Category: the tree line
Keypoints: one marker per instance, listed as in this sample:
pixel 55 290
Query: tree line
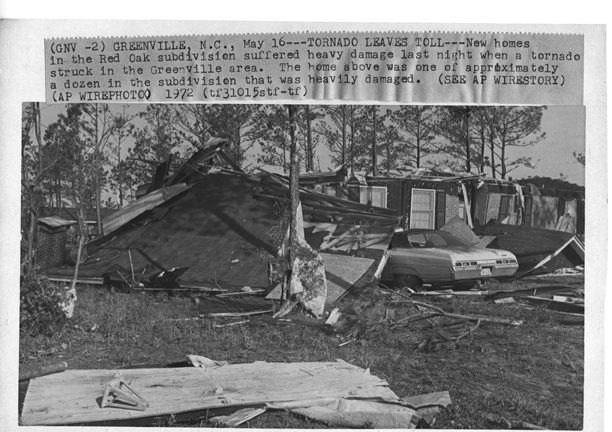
pixel 95 148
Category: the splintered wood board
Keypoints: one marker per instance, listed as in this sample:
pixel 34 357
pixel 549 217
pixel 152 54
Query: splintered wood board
pixel 74 396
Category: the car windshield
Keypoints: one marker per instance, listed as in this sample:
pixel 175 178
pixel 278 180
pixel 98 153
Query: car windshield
pixel 433 239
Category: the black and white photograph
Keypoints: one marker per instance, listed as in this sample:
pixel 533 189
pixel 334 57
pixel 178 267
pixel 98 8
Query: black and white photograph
pixel 337 266
pixel 302 224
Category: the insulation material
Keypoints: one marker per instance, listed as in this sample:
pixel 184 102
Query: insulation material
pixel 67 305
pixel 308 278
pixel 377 414
pixel 353 414
pixel 566 223
pixel 544 212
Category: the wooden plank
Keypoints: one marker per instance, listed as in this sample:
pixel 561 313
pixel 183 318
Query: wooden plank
pixel 29 373
pixel 230 161
pixel 207 151
pixel 343 210
pixel 73 397
pixel 305 194
pixel 81 280
pixel 339 238
pixel 351 215
pixel 135 208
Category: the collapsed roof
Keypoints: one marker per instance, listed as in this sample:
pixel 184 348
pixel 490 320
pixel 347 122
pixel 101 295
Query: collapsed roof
pixel 221 227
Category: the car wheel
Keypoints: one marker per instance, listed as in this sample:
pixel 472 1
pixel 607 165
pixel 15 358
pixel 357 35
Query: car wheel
pixel 413 282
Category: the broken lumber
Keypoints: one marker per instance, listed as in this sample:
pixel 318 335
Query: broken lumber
pixel 469 317
pixel 71 398
pixel 239 417
pixel 42 371
pixel 339 238
pixel 441 312
pixel 451 293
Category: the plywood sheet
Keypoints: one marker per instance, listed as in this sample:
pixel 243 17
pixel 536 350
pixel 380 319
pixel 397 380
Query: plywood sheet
pixel 73 397
pixel 342 272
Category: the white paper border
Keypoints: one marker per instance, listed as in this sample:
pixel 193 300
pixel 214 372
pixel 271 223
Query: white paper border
pixel 22 79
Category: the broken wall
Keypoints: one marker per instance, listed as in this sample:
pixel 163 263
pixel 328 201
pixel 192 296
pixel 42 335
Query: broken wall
pixel 544 212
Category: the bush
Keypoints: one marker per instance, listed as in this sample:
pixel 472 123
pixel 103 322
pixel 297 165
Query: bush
pixel 40 313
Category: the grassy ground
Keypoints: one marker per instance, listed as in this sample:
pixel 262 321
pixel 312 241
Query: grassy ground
pixel 532 373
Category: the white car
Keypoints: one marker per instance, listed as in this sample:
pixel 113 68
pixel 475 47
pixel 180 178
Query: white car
pixel 438 258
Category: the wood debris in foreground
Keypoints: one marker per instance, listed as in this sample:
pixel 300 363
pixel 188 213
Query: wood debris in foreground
pixel 30 373
pixel 74 397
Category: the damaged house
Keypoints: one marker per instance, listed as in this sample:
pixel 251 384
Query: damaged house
pixel 532 223
pixel 430 201
pixel 214 229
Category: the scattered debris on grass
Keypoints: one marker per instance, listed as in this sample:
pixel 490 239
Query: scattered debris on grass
pixel 506 424
pixel 424 326
pixel 215 306
pixel 555 297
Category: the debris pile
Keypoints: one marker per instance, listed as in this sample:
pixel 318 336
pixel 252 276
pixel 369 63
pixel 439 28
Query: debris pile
pixel 537 250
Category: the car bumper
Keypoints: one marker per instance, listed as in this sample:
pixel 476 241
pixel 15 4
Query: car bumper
pixel 483 272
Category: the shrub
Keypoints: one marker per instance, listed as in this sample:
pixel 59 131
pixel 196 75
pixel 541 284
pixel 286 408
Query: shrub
pixel 39 308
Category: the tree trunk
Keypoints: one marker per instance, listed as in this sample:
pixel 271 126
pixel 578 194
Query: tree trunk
pixel 309 156
pixel 120 177
pixel 492 144
pixel 294 193
pixel 31 231
pixel 294 173
pixel 96 176
pixel 82 241
pixel 352 141
pixel 34 201
pixel 374 161
pixel 502 158
pixel 343 134
pixel 468 164
pixel 418 145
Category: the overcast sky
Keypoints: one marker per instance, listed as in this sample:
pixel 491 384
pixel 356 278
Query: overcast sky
pixel 552 157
